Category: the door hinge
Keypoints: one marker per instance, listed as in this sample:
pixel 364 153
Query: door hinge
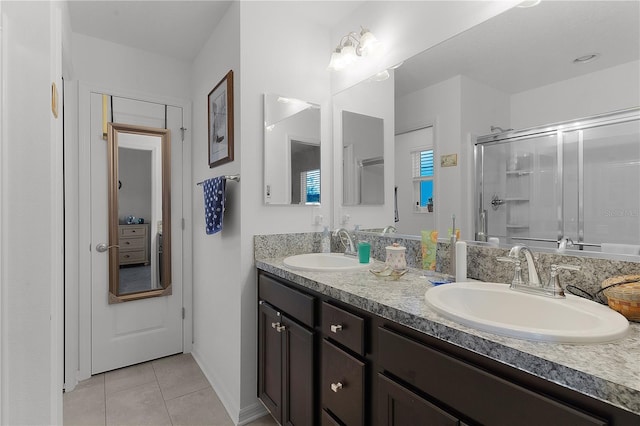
pixel 183 223
pixel 183 313
pixel 182 130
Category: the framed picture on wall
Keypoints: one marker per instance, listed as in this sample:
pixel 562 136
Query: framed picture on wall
pixel 220 107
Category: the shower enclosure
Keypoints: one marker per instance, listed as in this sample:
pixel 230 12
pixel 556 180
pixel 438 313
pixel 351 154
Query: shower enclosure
pixel 576 180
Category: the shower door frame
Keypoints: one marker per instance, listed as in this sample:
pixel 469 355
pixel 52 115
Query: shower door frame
pixel 559 129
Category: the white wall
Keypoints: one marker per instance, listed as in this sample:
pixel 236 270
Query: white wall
pixel 216 258
pixel 106 64
pixel 31 214
pixel 608 90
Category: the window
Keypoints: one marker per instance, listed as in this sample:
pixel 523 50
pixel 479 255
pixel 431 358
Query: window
pixel 310 186
pixel 423 177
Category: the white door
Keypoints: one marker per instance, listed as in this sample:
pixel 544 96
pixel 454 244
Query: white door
pixel 135 331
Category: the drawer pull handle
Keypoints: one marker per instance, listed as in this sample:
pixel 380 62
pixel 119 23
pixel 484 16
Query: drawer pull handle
pixel 279 328
pixel 335 328
pixel 336 386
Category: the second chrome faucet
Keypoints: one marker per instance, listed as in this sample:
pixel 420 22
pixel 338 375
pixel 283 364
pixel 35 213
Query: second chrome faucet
pixel 534 285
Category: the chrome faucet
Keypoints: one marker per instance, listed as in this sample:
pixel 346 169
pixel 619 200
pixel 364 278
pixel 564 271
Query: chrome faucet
pixel 388 229
pixel 343 234
pixel 534 279
pixel 553 287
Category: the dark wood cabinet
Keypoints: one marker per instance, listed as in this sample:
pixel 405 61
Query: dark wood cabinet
pixel 286 357
pixel 322 361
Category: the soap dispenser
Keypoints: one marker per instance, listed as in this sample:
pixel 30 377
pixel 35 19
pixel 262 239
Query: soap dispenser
pixel 326 240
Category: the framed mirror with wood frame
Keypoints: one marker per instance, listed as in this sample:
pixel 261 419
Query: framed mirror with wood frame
pixel 139 210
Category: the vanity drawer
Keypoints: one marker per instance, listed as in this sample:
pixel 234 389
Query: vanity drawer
pixel 132 256
pixel 343 385
pixel 343 327
pixel 485 398
pixel 298 305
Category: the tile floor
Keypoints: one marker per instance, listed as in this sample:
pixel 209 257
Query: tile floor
pixel 167 391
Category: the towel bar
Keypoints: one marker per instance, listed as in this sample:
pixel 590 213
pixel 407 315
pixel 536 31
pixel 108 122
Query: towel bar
pixel 235 178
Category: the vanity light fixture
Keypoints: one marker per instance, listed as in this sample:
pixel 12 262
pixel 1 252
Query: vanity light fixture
pixel 351 47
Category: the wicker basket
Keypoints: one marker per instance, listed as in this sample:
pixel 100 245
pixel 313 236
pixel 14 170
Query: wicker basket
pixel 624 298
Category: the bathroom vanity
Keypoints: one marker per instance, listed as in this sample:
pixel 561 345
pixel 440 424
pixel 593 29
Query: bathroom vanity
pixel 349 348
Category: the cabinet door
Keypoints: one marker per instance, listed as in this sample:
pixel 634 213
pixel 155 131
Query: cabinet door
pixel 270 359
pixel 401 407
pixel 298 365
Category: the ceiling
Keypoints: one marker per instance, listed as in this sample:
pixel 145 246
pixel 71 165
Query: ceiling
pixel 177 29
pixel 525 48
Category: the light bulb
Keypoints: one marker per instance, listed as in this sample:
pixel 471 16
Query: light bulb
pixel 336 63
pixel 368 43
pixel 349 54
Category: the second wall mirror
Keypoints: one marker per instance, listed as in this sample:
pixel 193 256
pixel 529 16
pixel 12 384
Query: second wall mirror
pixel 139 212
pixel 291 151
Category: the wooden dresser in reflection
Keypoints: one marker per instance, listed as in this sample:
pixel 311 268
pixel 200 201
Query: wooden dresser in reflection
pixel 134 244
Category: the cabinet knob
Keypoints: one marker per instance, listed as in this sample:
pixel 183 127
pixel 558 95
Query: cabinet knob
pixel 336 327
pixel 336 386
pixel 279 328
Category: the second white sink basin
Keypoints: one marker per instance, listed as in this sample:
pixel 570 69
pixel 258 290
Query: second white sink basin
pixel 325 262
pixel 495 308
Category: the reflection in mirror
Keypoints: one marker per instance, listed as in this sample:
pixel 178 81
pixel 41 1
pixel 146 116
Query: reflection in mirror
pixel 291 151
pixel 139 203
pixel 516 70
pixel 564 184
pixel 363 159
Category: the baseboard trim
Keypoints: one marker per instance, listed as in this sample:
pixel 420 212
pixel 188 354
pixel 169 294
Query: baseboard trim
pixel 225 397
pixel 251 413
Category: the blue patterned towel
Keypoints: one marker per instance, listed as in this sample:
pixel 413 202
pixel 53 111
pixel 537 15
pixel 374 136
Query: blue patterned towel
pixel 214 203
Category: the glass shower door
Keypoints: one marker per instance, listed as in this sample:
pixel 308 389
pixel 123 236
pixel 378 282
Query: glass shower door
pixel 602 187
pixel 520 189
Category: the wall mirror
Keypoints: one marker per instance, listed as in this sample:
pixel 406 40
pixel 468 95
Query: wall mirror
pixel 291 151
pixel 139 212
pixel 515 70
pixel 362 159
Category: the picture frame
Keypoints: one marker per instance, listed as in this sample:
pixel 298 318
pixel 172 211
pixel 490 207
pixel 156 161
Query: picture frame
pixel 220 121
pixel 449 160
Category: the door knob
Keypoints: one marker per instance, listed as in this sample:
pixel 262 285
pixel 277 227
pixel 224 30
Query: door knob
pixel 102 247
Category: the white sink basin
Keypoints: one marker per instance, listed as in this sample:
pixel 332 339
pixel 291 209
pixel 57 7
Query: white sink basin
pixel 325 262
pixel 497 309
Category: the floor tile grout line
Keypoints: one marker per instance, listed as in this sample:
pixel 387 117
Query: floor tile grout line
pixel 161 393
pixel 104 392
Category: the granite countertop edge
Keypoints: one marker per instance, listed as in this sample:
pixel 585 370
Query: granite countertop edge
pixel 498 348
